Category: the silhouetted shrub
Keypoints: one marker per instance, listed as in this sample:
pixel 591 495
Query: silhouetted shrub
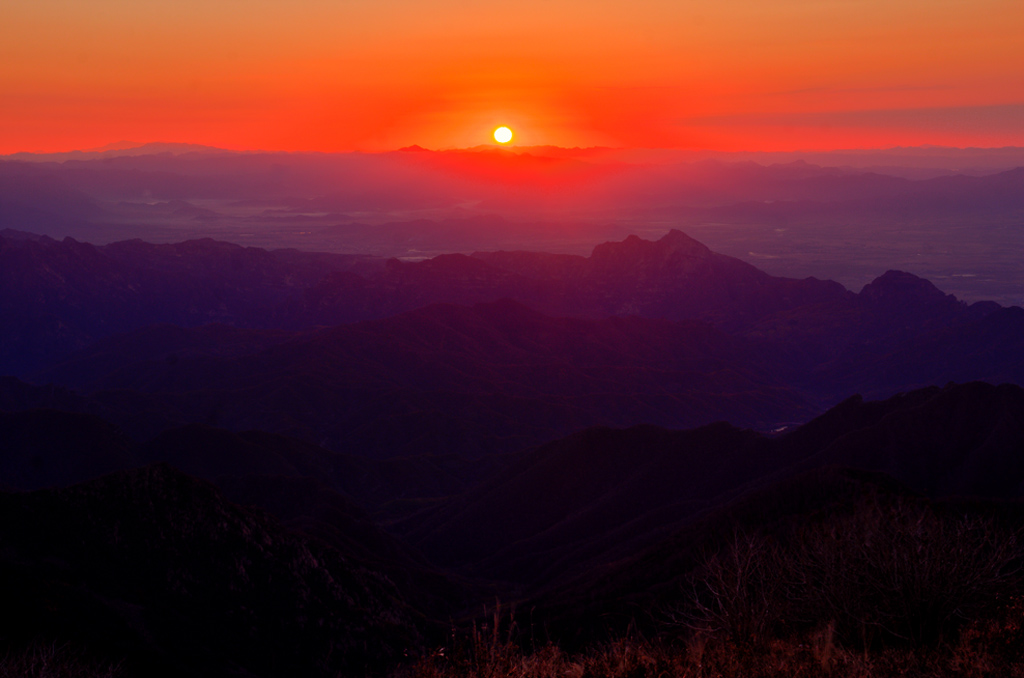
pixel 900 571
pixel 737 590
pixel 893 571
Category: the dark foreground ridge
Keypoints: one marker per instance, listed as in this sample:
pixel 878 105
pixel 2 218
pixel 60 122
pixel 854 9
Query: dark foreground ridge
pixel 156 567
pixel 601 532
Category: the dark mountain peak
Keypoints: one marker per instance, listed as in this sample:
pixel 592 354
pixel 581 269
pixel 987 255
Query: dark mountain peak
pixel 851 414
pixel 634 249
pixel 1015 312
pixel 962 439
pixel 187 254
pixel 451 264
pixel 980 309
pixel 677 241
pixel 454 262
pixel 1014 176
pixel 999 331
pixel 902 286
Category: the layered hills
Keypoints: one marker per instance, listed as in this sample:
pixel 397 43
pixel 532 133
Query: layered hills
pixel 217 459
pixel 664 332
pixel 493 377
pixel 60 296
pixel 595 496
pixel 949 215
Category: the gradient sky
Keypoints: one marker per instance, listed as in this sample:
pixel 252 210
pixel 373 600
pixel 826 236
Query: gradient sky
pixel 334 75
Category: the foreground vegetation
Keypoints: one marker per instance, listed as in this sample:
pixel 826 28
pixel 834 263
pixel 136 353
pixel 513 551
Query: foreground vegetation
pixel 991 649
pixel 50 660
pixel 876 582
pixel 891 586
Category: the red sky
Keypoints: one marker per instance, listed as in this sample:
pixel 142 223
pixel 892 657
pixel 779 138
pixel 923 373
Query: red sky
pixel 334 75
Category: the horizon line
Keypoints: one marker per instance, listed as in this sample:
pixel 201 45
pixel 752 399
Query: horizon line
pixel 161 147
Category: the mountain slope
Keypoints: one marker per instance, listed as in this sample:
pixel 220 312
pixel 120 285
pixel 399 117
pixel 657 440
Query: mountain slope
pixel 56 297
pixel 157 568
pixel 580 503
pixel 449 379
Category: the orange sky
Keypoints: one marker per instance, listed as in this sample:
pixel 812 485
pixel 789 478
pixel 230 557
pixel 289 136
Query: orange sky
pixel 336 75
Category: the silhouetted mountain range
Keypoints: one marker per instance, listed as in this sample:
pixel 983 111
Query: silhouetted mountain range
pixel 444 379
pixel 942 213
pixel 497 178
pixel 385 444
pixel 664 332
pixel 59 296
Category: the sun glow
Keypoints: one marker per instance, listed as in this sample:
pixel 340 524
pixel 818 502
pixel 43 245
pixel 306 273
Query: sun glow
pixel 503 135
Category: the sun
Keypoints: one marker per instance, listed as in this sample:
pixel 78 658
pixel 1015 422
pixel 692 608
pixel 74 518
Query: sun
pixel 503 135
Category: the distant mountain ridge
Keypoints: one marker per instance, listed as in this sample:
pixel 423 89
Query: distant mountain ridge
pixel 664 332
pixel 117 150
pixel 59 296
pixel 937 157
pixel 415 205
